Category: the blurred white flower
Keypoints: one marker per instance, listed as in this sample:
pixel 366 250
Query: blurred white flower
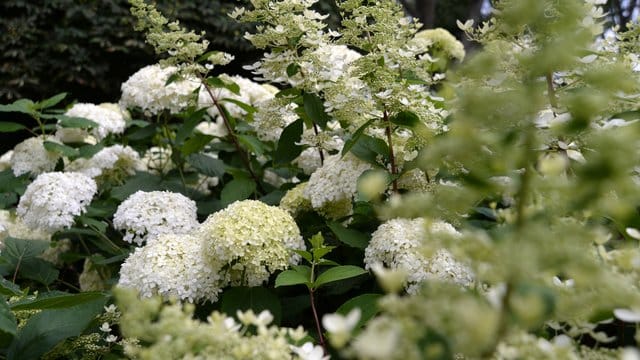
pixel 340 327
pixel 309 352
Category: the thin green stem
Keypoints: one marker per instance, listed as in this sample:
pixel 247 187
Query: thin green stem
pixel 392 159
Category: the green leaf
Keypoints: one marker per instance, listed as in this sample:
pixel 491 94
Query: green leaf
pixel 369 148
pixel 314 108
pixel 412 121
pixel 56 300
pixel 289 93
pixel 252 143
pixel 46 329
pixel 216 82
pixel 39 270
pixel 355 137
pixel 368 305
pixel 292 69
pixel 338 273
pixel 254 298
pixel 25 106
pixel 350 237
pixel 287 149
pixel 319 253
pixel 192 120
pixel 305 254
pixel 61 149
pixel 101 226
pixel 317 240
pixel 300 274
pixel 207 165
pixel 52 101
pixel 246 107
pixel 7 288
pixel 172 78
pixel 75 122
pixel 142 181
pixel 143 132
pixel 195 144
pixel 8 126
pixel 237 189
pixel 17 251
pixel 8 323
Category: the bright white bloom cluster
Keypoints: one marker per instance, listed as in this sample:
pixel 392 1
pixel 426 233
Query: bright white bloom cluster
pixel 172 266
pixel 146 215
pixel 332 187
pixel 146 89
pixel 30 156
pixel 252 240
pixel 116 158
pixel 109 120
pixel 272 117
pixel 325 65
pixel 251 93
pixel 398 244
pixel 53 200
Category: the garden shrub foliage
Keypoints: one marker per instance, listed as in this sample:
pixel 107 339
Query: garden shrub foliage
pixel 492 196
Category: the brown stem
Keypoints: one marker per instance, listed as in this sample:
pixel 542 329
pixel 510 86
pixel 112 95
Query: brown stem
pixel 243 155
pixel 392 158
pixel 551 92
pixel 315 130
pixel 315 317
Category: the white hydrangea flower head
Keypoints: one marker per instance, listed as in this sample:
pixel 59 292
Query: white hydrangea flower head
pixel 53 200
pixel 398 244
pixel 146 89
pixel 147 215
pixel 117 160
pixel 252 239
pixel 251 93
pixel 294 200
pixel 109 120
pixel 5 160
pixel 308 160
pixel 74 135
pixel 272 117
pixel 331 187
pixel 325 65
pixel 172 266
pixel 214 128
pixel 30 156
pixel 17 229
pixel 158 160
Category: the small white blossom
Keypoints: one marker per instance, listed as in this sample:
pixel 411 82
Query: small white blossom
pixel 309 352
pixel 340 327
pixel 105 327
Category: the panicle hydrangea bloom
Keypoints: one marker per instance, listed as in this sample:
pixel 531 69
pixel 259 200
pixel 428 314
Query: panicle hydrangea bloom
pixel 115 161
pixel 251 93
pixel 5 160
pixel 53 200
pixel 171 331
pixel 146 89
pixel 332 187
pixel 146 215
pixel 109 120
pixel 30 156
pixel 172 265
pixel 439 40
pixel 252 239
pixel 323 66
pixel 398 244
pixel 272 117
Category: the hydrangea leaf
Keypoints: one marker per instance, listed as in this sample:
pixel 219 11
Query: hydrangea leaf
pixel 338 273
pixel 8 126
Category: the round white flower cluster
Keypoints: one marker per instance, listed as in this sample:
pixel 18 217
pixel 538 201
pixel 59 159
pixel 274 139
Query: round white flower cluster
pixel 398 244
pixel 116 158
pixel 14 227
pixel 109 120
pixel 5 160
pixel 147 215
pixel 325 65
pixel 30 156
pixel 172 265
pixel 251 240
pixel 146 89
pixel 331 187
pixel 53 200
pixel 251 93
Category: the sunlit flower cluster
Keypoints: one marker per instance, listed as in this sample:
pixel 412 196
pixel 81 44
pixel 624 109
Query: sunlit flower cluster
pixel 30 156
pixel 115 162
pixel 146 215
pixel 108 119
pixel 252 240
pixel 53 200
pixel 147 89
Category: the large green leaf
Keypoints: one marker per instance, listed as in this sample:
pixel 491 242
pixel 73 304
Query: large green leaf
pixel 300 274
pixel 207 165
pixel 25 106
pixel 412 121
pixel 355 137
pixel 75 122
pixel 61 149
pixel 350 237
pixel 237 189
pixel 338 273
pixel 370 148
pixel 39 270
pixel 254 298
pixel 8 322
pixel 46 329
pixel 288 149
pixel 191 121
pixel 7 288
pixel 8 126
pixel 196 143
pixel 50 102
pixel 314 108
pixel 216 82
pixel 56 300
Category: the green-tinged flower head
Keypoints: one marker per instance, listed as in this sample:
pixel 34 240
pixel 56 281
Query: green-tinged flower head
pixel 251 240
pixel 294 200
